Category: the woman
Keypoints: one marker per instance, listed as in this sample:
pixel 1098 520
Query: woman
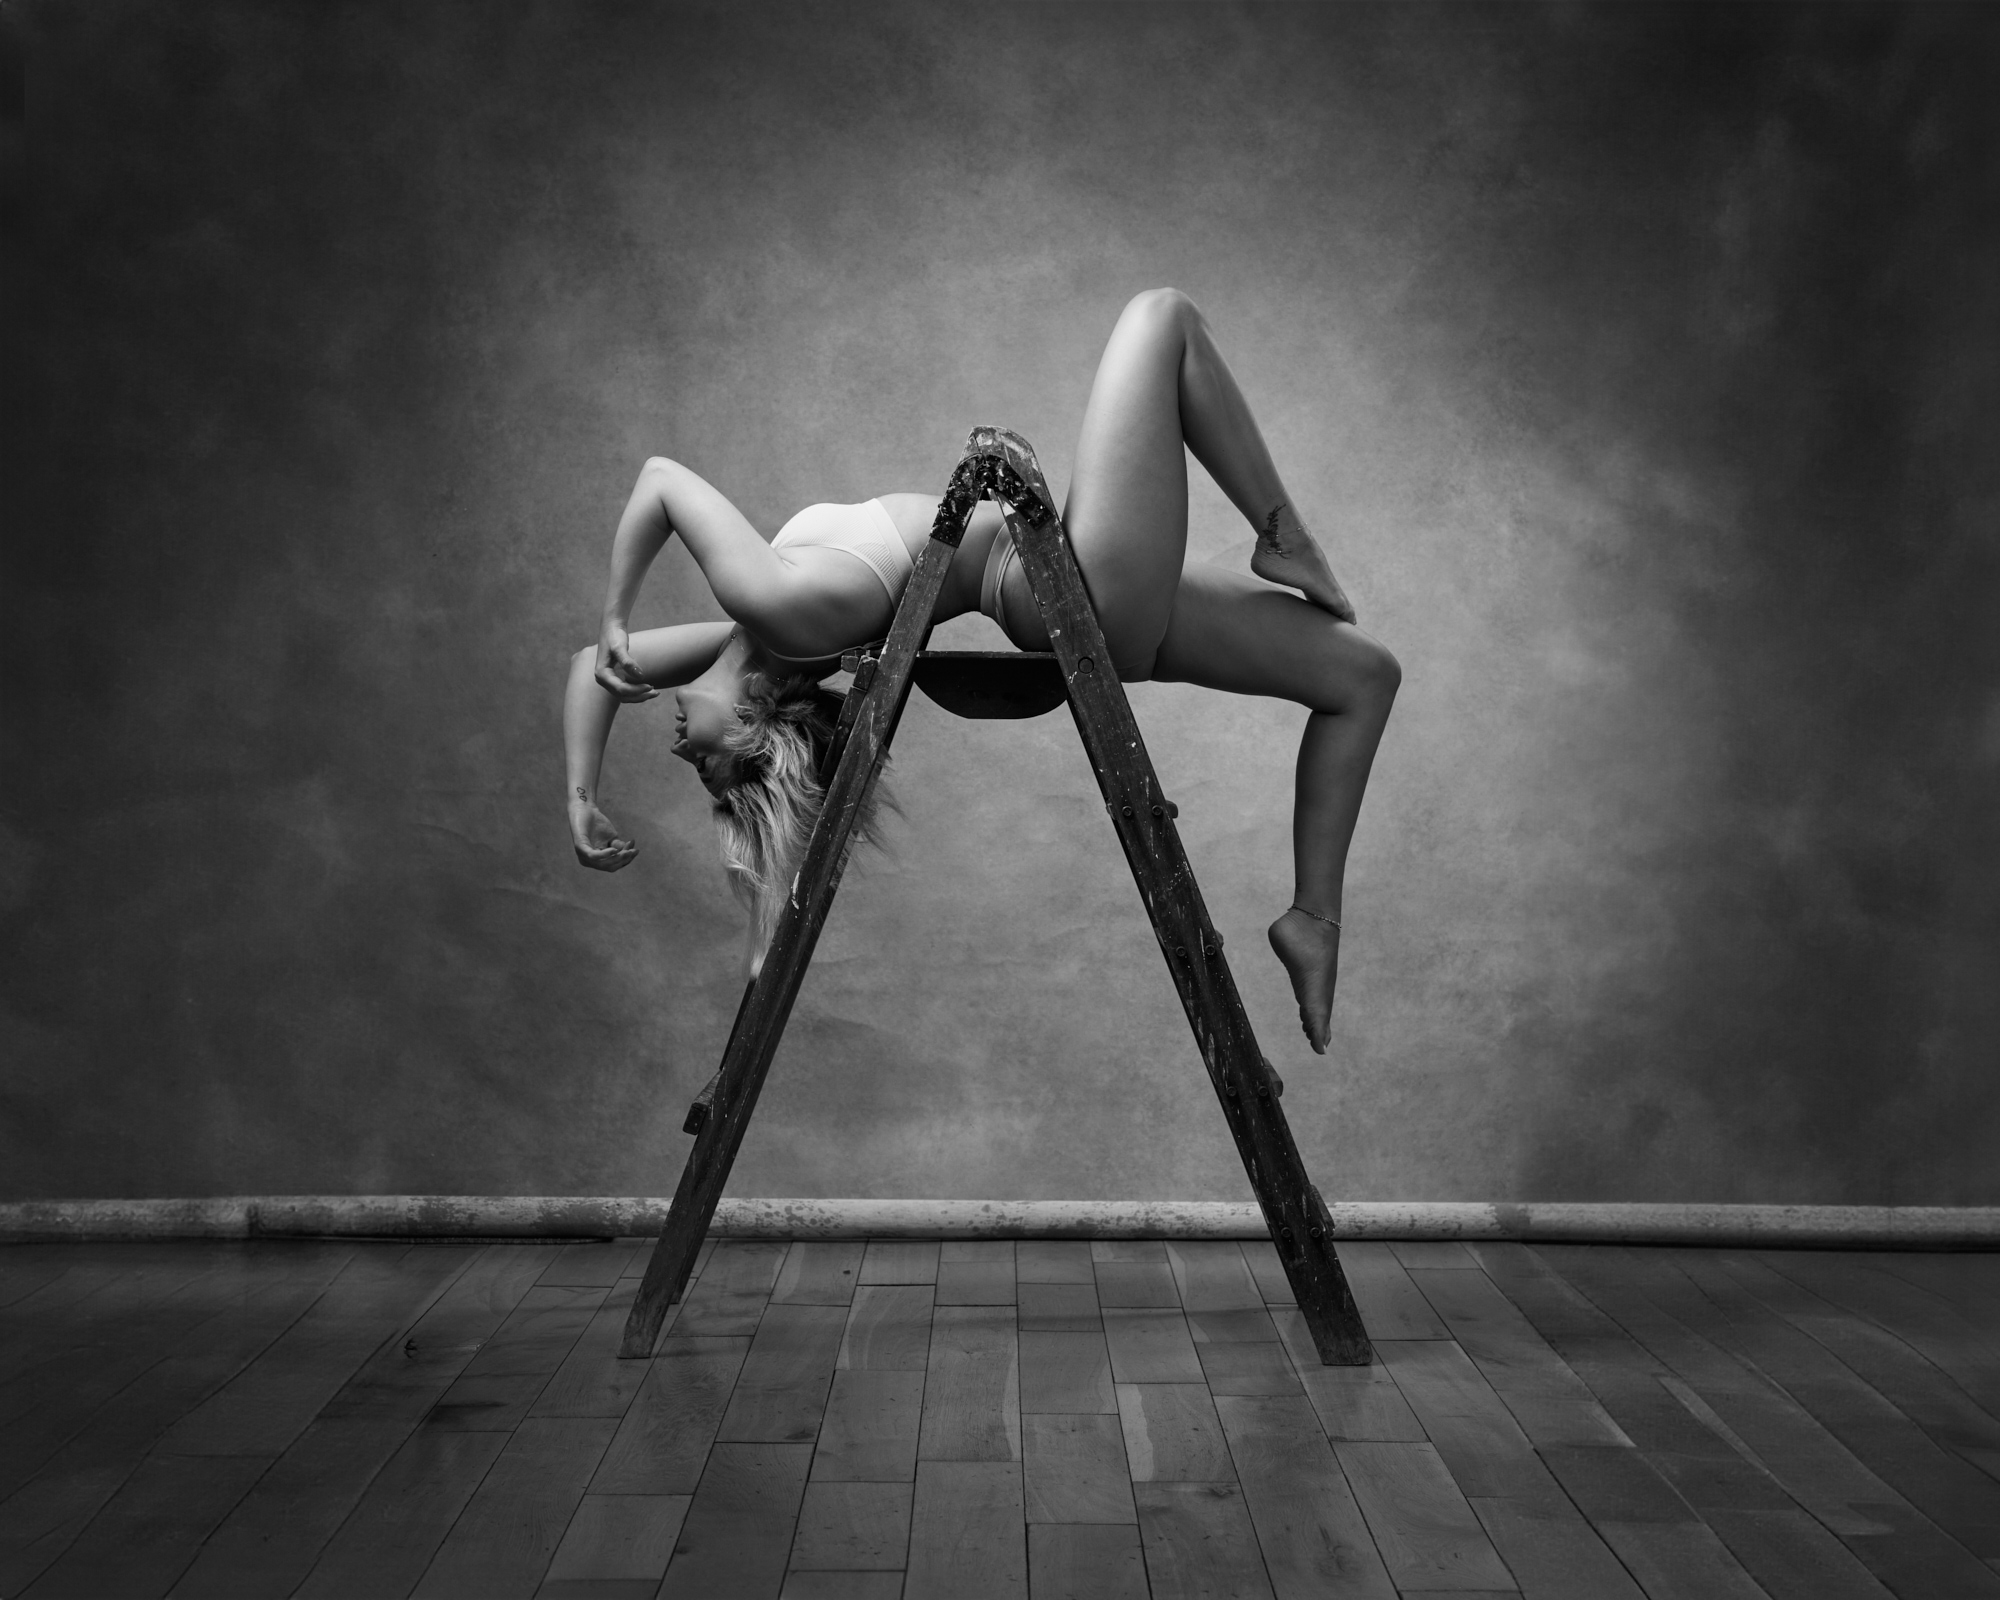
pixel 752 720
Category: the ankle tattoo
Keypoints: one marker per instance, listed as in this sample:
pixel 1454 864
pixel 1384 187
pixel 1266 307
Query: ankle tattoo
pixel 1268 535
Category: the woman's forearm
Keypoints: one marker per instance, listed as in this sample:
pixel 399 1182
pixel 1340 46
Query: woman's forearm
pixel 587 714
pixel 643 530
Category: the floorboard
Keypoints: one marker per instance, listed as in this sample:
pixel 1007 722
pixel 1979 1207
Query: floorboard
pixel 1392 1307
pixel 1900 1374
pixel 730 1295
pixel 781 1391
pixel 1211 1275
pixel 842 1586
pixel 976 1273
pixel 899 1261
pixel 619 1538
pixel 888 1328
pixel 29 1268
pixel 1059 1308
pixel 853 1527
pixel 737 1538
pixel 1172 1433
pixel 1947 1336
pixel 1150 1345
pixel 384 1547
pixel 1200 1543
pixel 1314 1539
pixel 1053 1261
pixel 1066 1372
pixel 1074 1469
pixel 592 1381
pixel 818 1273
pixel 1554 1552
pixel 1793 1557
pixel 1429 1538
pixel 149 1531
pixel 663 1439
pixel 1952 1492
pixel 97 1358
pixel 968 1532
pixel 839 1421
pixel 972 1394
pixel 503 1541
pixel 1080 1561
pixel 870 1430
pixel 1903 1548
pixel 596 1265
pixel 269 1404
pixel 252 1307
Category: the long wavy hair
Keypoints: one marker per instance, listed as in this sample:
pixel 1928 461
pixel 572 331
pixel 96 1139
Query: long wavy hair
pixel 765 818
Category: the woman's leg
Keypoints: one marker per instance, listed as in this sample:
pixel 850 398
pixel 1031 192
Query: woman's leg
pixel 1231 632
pixel 1162 385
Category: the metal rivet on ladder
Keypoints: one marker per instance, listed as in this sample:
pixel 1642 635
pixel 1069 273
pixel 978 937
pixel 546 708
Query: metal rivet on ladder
pixel 1180 951
pixel 1086 665
pixel 1126 809
pixel 1158 812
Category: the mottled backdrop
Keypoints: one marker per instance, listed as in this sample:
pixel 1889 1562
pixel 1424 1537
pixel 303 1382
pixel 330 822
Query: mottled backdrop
pixel 1637 366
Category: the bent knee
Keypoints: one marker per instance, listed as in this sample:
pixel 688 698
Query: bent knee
pixel 1381 671
pixel 1166 305
pixel 1356 675
pixel 1372 677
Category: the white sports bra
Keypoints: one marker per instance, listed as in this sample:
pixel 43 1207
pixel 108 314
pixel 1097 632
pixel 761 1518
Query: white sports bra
pixel 865 531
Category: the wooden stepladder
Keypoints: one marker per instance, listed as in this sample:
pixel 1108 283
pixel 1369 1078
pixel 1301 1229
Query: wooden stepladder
pixel 1000 465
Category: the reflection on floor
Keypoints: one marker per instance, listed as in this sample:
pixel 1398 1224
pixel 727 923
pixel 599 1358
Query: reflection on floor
pixel 973 1419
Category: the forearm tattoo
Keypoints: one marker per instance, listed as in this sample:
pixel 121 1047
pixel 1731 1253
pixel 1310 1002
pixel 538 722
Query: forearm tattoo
pixel 583 794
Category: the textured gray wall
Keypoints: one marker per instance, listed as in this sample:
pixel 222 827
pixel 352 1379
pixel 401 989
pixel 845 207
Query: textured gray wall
pixel 1636 366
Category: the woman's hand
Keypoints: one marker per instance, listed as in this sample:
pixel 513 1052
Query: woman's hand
pixel 596 840
pixel 617 672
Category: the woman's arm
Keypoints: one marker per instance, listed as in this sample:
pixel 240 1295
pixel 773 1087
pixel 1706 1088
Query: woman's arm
pixel 749 579
pixel 659 658
pixel 642 533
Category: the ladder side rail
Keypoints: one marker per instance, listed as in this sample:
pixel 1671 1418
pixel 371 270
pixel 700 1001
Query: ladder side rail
pixel 768 1007
pixel 1293 1209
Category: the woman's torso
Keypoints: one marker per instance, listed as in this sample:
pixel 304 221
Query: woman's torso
pixel 859 577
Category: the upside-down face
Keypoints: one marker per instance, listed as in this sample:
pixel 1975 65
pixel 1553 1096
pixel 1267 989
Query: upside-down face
pixel 703 715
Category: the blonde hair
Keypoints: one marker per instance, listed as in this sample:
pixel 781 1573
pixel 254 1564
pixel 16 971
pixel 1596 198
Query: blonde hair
pixel 766 816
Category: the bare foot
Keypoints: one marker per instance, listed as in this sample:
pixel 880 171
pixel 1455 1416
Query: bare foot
pixel 1310 952
pixel 1286 553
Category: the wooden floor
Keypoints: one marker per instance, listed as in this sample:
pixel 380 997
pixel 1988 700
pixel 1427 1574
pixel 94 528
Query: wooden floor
pixel 964 1420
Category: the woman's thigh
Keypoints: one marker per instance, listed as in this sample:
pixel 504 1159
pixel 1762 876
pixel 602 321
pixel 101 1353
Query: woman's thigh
pixel 1233 632
pixel 1127 507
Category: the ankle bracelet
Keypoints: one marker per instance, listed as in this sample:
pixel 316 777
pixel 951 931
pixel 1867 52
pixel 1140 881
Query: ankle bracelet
pixel 1331 921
